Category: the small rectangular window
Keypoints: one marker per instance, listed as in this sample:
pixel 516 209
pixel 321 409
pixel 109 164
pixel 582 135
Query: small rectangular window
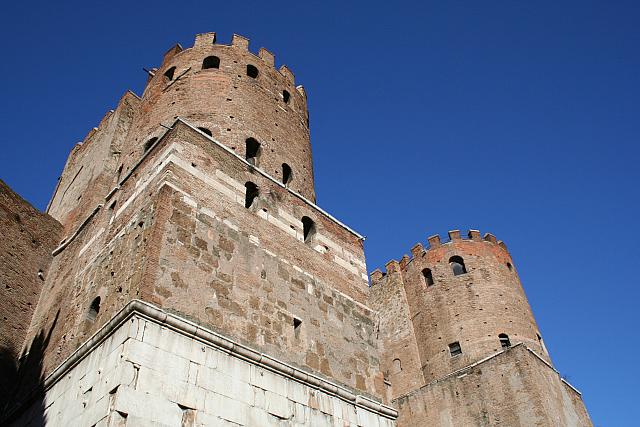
pixel 297 325
pixel 455 349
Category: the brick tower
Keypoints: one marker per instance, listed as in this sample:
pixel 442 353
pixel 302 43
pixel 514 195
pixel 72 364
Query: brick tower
pixel 460 344
pixel 197 283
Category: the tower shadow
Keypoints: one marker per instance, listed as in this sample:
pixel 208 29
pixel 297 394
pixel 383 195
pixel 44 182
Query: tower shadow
pixel 22 383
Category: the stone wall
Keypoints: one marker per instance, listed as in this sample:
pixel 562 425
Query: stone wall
pixel 514 388
pixel 176 233
pixel 147 367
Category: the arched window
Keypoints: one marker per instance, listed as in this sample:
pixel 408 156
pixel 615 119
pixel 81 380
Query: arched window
pixel 94 309
pixel 250 193
pixel 457 265
pixel 504 341
pixel 396 366
pixel 211 62
pixel 286 96
pixel 308 228
pixel 252 71
pixel 169 73
pixel 509 266
pixel 428 276
pixel 205 130
pixel 252 150
pixel 286 174
pixel 149 143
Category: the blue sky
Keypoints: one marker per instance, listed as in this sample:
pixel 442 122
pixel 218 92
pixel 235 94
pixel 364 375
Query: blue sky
pixel 517 118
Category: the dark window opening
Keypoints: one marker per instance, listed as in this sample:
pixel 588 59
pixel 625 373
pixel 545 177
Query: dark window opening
pixel 308 228
pixel 509 266
pixel 297 326
pixel 286 96
pixel 94 309
pixel 251 192
pixel 149 143
pixel 211 62
pixel 205 130
pixel 457 265
pixel 286 173
pixel 169 73
pixel 428 277
pixel 252 150
pixel 455 349
pixel 504 341
pixel 252 71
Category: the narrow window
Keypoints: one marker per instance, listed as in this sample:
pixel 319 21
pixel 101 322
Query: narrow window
pixel 205 130
pixel 297 326
pixel 397 366
pixel 509 266
pixel 149 144
pixel 251 192
pixel 457 265
pixel 169 73
pixel 428 276
pixel 286 174
pixel 94 309
pixel 504 341
pixel 286 96
pixel 308 228
pixel 252 71
pixel 211 62
pixel 455 349
pixel 252 150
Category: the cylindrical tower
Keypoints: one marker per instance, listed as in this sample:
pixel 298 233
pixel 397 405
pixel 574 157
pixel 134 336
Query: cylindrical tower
pixel 466 302
pixel 237 98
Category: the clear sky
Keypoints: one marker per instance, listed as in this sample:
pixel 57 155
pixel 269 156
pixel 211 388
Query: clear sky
pixel 511 117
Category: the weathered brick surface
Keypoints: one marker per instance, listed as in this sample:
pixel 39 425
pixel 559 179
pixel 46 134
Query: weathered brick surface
pixel 28 237
pixel 472 308
pixel 231 105
pixel 91 170
pixel 513 389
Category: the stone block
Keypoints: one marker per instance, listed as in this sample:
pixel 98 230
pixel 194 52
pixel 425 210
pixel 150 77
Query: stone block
pixel 267 380
pixel 151 357
pixel 226 408
pixel 217 381
pixel 147 406
pixel 278 405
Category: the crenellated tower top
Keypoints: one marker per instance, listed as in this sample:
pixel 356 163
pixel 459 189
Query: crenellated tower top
pixel 237 97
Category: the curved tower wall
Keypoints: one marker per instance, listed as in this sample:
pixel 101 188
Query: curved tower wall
pixel 232 105
pixel 472 309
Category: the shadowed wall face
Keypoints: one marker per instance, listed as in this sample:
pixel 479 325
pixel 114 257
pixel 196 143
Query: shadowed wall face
pixel 28 238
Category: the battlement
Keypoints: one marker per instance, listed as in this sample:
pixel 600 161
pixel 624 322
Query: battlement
pixel 239 42
pixel 434 242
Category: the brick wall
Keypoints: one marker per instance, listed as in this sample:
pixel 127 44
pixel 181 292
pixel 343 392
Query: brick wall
pixel 513 389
